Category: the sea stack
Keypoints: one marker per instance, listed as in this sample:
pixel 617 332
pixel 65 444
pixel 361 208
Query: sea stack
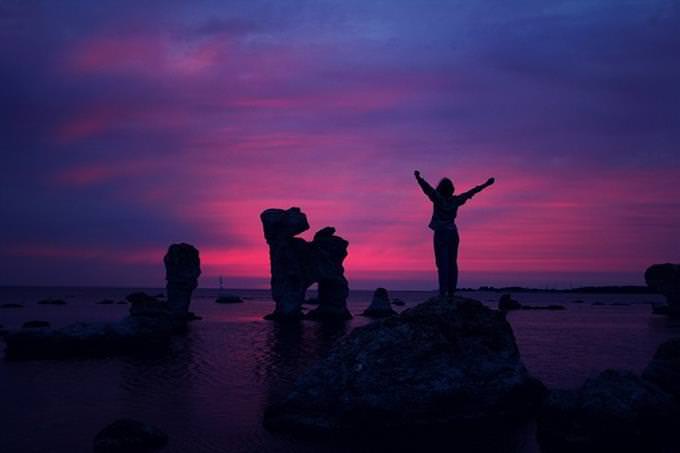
pixel 665 279
pixel 182 269
pixel 296 264
pixel 380 305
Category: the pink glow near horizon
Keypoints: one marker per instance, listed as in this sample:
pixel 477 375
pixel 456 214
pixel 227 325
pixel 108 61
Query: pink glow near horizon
pixel 186 132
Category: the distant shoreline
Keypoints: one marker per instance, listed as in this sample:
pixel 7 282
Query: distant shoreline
pixel 612 289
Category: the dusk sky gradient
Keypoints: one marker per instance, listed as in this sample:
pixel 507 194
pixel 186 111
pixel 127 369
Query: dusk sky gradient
pixel 126 126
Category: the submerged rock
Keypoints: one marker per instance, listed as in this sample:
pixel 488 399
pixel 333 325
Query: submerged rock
pixel 615 411
pixel 10 305
pixel 380 305
pixel 126 435
pixel 544 307
pixel 52 302
pixel 664 369
pixel 665 279
pixel 436 364
pixel 35 324
pixel 507 303
pixel 228 299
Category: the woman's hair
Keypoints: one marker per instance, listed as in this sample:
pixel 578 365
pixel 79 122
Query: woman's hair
pixel 445 188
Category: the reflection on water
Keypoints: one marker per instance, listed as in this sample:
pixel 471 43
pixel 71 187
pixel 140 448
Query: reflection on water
pixel 210 389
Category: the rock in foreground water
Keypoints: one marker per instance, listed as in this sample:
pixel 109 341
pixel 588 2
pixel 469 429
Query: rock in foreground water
pixel 615 411
pixel 435 364
pixel 380 305
pixel 126 435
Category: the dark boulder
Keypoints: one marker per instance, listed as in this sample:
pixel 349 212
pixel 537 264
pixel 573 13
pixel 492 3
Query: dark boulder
pixel 35 324
pixel 665 279
pixel 615 411
pixel 106 302
pixel 553 307
pixel 398 302
pixel 380 305
pixel 507 303
pixel 126 435
pixel 664 369
pixel 436 364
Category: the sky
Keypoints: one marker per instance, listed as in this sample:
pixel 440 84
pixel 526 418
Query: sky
pixel 127 126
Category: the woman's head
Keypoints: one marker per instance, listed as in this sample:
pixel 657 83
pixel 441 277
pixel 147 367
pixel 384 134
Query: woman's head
pixel 445 187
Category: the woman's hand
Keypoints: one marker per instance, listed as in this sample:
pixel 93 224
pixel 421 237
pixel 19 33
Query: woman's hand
pixel 417 174
pixel 490 181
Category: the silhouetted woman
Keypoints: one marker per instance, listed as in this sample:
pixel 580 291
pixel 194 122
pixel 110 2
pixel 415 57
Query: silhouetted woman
pixel 445 207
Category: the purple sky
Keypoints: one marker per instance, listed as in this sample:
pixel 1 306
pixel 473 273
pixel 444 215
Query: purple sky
pixel 126 126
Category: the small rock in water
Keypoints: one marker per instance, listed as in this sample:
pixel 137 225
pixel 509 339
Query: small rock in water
pixel 50 301
pixel 380 305
pixel 121 302
pixel 106 302
pixel 577 301
pixel 398 302
pixel 228 299
pixel 506 303
pixel 598 303
pixel 127 435
pixel 35 324
pixel 11 306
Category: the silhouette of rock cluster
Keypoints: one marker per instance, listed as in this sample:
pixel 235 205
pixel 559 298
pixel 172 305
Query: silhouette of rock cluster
pixel 665 279
pixel 296 264
pixel 380 305
pixel 617 410
pixel 437 364
pixel 150 323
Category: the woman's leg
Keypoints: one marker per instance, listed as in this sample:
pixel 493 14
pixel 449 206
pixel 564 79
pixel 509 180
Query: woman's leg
pixel 441 255
pixel 454 241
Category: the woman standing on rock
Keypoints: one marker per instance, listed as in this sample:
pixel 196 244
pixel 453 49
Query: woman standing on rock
pixel 445 207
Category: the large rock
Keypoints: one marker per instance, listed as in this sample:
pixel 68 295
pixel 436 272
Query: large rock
pixel 380 305
pixel 436 364
pixel 148 327
pixel 297 264
pixel 665 279
pixel 615 411
pixel 126 435
pixel 664 369
pixel 182 268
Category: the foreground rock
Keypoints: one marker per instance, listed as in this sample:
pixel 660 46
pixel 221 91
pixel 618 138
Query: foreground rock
pixel 615 411
pixel 664 369
pixel 126 435
pixel 380 305
pixel 148 327
pixel 437 364
pixel 297 264
pixel 665 279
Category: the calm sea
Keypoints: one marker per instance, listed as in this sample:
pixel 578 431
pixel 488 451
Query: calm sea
pixel 209 392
